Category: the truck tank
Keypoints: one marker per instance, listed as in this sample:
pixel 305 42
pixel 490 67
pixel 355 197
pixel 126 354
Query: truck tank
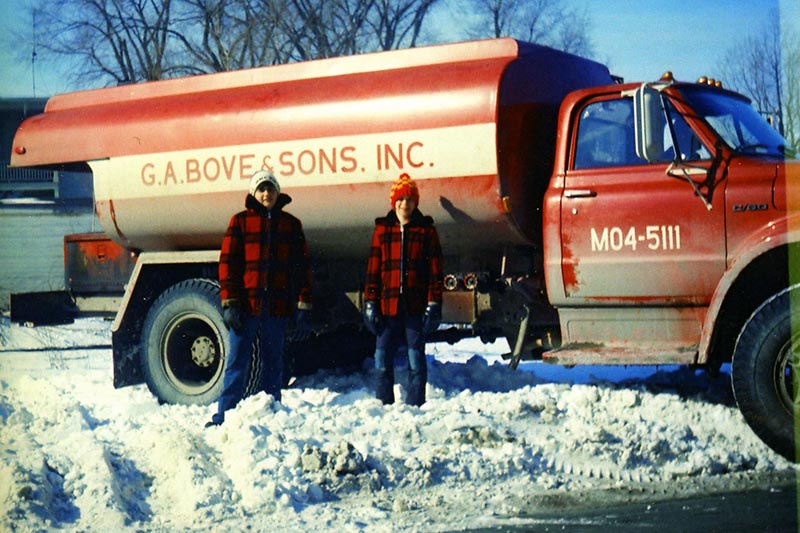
pixel 474 123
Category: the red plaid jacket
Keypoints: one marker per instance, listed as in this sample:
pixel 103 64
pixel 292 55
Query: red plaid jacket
pixel 410 260
pixel 265 259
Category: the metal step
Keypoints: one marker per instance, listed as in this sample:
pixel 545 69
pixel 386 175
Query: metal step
pixel 599 354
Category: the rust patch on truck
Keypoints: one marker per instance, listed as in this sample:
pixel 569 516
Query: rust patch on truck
pixel 114 221
pixel 569 267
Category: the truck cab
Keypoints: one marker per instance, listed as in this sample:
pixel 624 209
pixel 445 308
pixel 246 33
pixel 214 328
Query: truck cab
pixel 669 225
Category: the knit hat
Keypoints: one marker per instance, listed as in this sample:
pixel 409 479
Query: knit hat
pixel 404 186
pixel 260 177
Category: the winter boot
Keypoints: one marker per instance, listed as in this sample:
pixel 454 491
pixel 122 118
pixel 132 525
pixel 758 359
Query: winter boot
pixel 384 389
pixel 416 386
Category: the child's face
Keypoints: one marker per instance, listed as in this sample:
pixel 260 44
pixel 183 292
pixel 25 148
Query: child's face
pixel 266 195
pixel 404 206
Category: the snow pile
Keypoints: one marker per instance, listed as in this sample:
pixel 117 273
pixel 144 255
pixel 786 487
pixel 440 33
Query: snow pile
pixel 488 445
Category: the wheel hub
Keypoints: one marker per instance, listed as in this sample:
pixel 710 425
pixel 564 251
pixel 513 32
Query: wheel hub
pixel 786 379
pixel 203 352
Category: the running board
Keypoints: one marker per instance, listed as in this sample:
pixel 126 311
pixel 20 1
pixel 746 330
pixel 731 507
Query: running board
pixel 594 354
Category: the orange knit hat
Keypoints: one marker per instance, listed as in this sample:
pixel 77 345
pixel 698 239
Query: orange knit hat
pixel 404 186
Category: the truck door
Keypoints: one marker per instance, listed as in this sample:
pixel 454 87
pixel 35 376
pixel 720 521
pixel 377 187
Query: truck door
pixel 631 232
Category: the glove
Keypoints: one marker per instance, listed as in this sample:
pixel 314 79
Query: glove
pixel 372 317
pixel 302 326
pixel 233 317
pixel 432 318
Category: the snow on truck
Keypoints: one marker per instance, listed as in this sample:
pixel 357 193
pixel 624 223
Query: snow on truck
pixel 588 221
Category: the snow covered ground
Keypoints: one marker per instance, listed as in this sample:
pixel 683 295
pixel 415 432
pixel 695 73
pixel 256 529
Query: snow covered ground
pixel 490 447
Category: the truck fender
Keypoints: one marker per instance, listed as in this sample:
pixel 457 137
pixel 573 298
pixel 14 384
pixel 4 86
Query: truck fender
pixel 149 259
pixel 776 234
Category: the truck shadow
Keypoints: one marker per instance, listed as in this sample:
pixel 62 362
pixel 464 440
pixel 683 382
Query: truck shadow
pixel 479 375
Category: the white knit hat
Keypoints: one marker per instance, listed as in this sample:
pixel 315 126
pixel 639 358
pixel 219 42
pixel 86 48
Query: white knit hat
pixel 260 177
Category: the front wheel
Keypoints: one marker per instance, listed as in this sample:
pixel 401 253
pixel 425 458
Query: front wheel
pixel 184 343
pixel 764 380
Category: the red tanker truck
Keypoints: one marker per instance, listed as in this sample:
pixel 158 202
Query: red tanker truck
pixel 588 221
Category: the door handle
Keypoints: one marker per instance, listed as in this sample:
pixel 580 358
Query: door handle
pixel 580 193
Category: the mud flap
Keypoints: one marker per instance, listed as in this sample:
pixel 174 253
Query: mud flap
pixel 43 308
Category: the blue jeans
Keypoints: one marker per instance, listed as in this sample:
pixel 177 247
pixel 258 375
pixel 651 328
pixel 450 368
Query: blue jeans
pixel 271 331
pixel 401 330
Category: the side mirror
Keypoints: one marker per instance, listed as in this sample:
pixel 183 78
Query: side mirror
pixel 649 123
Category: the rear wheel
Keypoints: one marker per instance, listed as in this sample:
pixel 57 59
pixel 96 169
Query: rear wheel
pixel 184 343
pixel 765 379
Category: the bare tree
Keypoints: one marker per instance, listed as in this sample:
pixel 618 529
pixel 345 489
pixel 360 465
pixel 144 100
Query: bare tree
pixel 549 22
pixel 325 28
pixel 573 35
pixel 220 35
pixel 242 33
pixel 398 23
pixel 755 67
pixel 121 40
pixel 790 48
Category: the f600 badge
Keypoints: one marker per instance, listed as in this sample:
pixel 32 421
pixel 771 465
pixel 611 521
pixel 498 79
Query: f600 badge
pixel 741 208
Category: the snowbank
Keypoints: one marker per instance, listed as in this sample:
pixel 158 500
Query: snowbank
pixel 78 454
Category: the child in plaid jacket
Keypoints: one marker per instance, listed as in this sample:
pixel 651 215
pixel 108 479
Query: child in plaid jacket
pixel 403 292
pixel 265 281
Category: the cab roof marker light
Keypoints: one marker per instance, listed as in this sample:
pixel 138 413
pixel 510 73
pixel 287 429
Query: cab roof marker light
pixel 705 80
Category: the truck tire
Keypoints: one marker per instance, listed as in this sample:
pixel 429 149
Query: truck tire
pixel 184 343
pixel 763 379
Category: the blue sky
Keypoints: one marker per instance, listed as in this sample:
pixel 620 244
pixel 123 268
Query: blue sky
pixel 637 39
pixel 640 39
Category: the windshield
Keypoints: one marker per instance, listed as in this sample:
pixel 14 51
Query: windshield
pixel 736 122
